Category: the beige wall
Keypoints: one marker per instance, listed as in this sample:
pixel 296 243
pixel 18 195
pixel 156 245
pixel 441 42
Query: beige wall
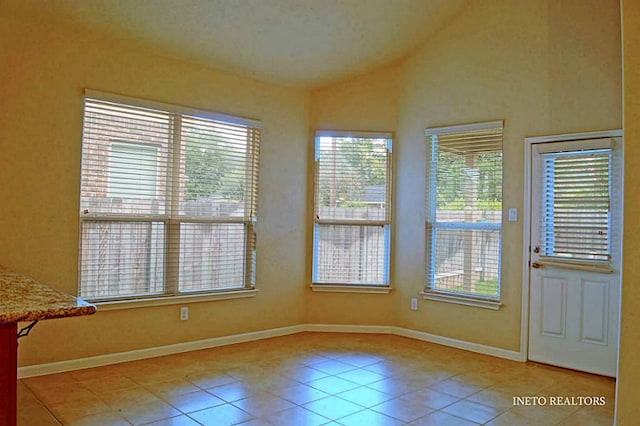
pixel 544 67
pixel 43 71
pixel 628 393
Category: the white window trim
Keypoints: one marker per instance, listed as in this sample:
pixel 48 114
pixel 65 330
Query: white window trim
pixel 472 127
pixel 333 287
pixel 176 109
pixel 147 302
pixel 441 295
pixel 351 288
pixel 602 266
pixel 352 134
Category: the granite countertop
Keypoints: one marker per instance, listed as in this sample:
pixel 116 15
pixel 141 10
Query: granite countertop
pixel 25 299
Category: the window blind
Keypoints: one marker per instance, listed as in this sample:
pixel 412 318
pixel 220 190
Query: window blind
pixel 352 208
pixel 168 199
pixel 576 205
pixel 464 209
pixel 217 200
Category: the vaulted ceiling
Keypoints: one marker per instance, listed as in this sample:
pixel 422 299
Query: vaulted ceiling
pixel 303 43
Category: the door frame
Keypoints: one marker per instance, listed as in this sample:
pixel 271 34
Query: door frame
pixel 529 143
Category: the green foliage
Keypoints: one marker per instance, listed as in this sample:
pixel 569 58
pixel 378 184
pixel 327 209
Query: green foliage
pixel 205 167
pixel 481 288
pixel 359 163
pixel 454 176
pixel 368 164
pixel 449 179
pixel 482 205
pixel 210 169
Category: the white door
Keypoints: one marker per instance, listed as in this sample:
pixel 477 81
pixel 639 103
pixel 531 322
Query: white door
pixel 575 255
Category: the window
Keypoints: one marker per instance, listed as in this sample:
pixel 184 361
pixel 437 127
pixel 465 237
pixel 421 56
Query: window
pixel 168 200
pixel 122 158
pixel 576 217
pixel 352 209
pixel 464 212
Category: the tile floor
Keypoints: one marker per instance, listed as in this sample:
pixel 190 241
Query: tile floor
pixel 315 379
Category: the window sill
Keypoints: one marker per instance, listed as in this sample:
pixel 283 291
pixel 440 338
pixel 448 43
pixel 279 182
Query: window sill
pixel 461 300
pixel 174 300
pixel 351 288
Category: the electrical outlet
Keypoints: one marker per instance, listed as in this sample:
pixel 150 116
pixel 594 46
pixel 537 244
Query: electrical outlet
pixel 184 313
pixel 414 304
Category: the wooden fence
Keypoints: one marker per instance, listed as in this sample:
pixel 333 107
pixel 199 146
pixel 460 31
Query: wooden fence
pixel 126 257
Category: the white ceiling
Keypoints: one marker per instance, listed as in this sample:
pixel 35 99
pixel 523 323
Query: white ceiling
pixel 305 43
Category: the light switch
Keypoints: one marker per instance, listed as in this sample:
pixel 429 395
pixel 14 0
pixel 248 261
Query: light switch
pixel 513 214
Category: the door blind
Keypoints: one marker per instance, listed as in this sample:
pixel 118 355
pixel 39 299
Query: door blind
pixel 576 205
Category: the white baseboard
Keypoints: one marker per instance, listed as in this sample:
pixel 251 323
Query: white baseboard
pixel 115 358
pixel 340 328
pixel 418 335
pixel 460 344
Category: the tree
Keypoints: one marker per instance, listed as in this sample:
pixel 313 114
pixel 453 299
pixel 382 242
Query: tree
pixel 205 168
pixel 347 166
pixel 453 169
pixel 212 165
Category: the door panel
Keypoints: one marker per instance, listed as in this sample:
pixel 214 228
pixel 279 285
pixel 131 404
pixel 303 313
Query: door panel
pixel 594 312
pixel 574 283
pixel 553 307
